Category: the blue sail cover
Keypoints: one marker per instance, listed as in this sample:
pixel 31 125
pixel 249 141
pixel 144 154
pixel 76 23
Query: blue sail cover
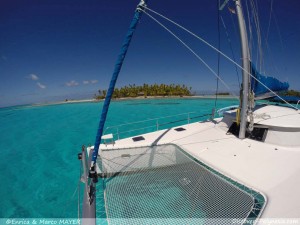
pixel 118 66
pixel 259 90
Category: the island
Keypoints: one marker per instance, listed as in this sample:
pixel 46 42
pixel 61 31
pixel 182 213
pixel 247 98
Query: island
pixel 146 90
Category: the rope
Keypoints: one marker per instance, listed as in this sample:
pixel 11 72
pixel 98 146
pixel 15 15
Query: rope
pixel 211 46
pixel 194 53
pixel 237 117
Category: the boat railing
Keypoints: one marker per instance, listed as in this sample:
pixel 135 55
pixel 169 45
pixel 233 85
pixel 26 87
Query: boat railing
pixel 154 124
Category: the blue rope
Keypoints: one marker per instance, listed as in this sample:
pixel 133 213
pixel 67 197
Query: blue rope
pixel 118 66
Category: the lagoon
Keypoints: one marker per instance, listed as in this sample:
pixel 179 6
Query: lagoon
pixel 40 170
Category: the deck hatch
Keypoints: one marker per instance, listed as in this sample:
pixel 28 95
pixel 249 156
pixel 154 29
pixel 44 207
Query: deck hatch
pixel 165 182
pixel 138 138
pixel 179 129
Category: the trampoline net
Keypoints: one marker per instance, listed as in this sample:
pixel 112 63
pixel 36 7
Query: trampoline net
pixel 165 182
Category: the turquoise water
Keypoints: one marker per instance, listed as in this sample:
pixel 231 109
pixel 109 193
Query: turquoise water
pixel 39 166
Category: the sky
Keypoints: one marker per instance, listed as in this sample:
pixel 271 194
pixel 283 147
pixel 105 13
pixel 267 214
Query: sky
pixel 53 50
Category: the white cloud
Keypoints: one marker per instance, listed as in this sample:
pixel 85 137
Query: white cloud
pixel 72 83
pixel 33 77
pixel 41 85
pixel 94 81
pixel 90 81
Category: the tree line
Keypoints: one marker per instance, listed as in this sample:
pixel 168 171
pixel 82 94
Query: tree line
pixel 292 93
pixel 147 90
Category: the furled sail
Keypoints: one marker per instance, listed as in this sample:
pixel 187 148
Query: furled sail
pixel 272 83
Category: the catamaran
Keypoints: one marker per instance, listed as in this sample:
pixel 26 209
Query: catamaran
pixel 238 168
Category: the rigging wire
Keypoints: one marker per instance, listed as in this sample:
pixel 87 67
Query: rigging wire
pixel 234 24
pixel 265 39
pixel 231 49
pixel 231 13
pixel 278 30
pixel 251 46
pixel 270 17
pixel 273 16
pixel 258 32
pixel 251 34
pixel 214 48
pixel 191 50
pixel 251 41
pixel 219 46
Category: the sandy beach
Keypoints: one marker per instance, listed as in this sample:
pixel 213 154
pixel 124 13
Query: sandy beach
pixel 133 98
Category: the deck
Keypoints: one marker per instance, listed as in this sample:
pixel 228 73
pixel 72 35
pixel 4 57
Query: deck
pixel 271 170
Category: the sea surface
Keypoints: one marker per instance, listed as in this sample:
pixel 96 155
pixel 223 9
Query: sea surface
pixel 39 145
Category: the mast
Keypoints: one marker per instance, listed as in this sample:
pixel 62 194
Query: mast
pixel 246 69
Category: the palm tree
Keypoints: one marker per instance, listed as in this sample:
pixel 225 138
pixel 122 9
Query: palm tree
pixel 148 90
pixel 104 93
